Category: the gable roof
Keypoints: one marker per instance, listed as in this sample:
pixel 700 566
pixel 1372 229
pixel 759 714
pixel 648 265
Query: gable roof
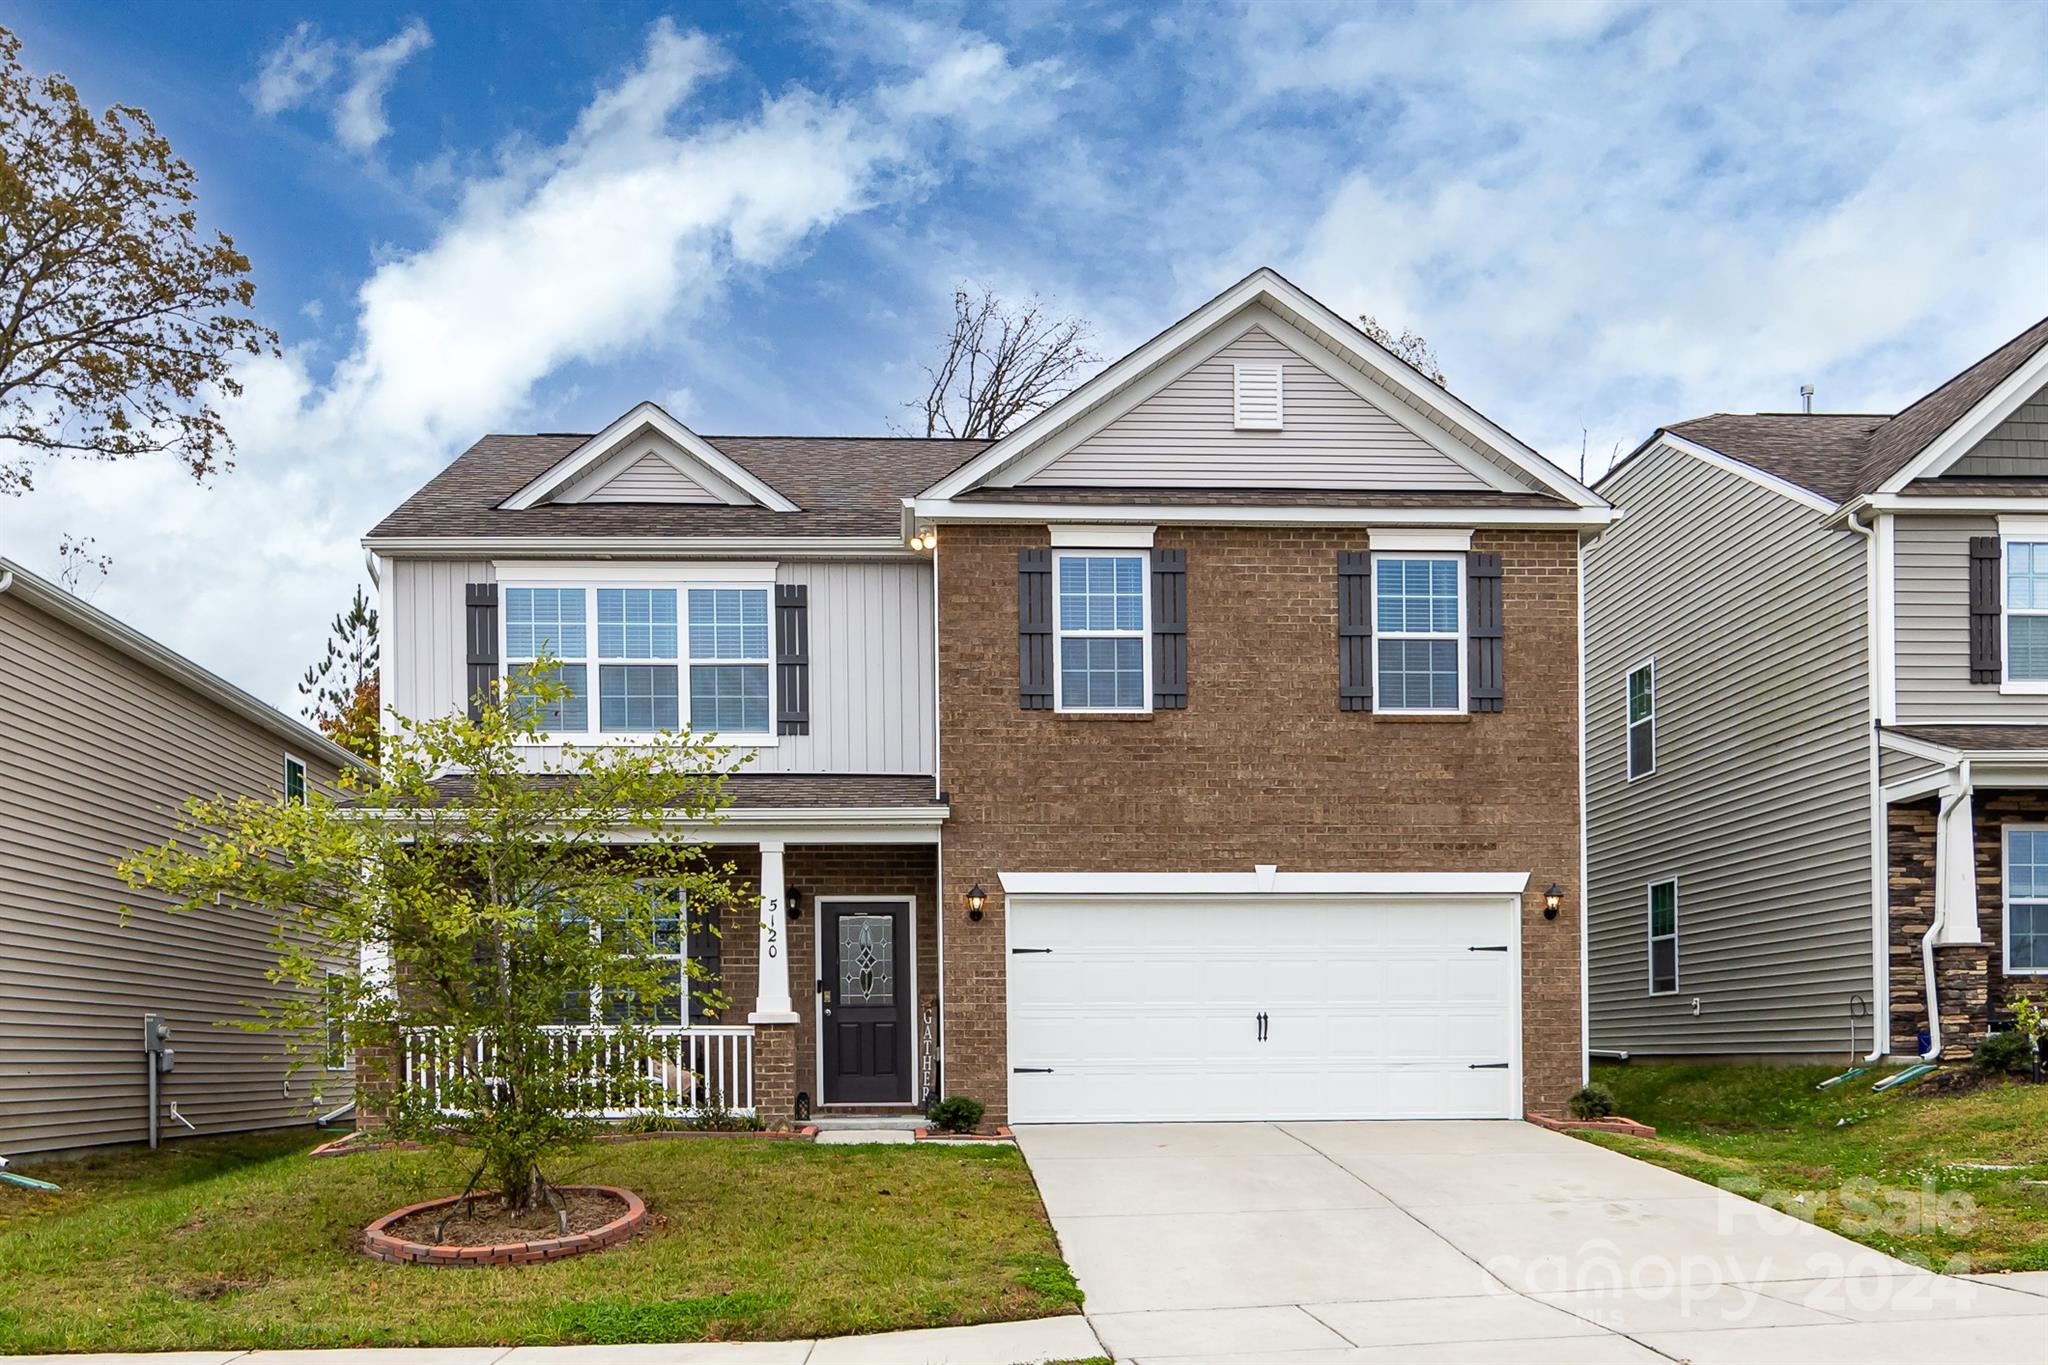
pixel 1441 416
pixel 1845 455
pixel 124 639
pixel 709 467
pixel 842 486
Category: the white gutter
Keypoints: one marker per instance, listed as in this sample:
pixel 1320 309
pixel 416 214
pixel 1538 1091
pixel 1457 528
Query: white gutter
pixel 1226 514
pixel 1880 834
pixel 642 547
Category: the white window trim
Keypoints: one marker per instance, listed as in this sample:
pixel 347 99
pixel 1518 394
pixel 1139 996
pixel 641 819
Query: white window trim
pixel 681 957
pixel 1437 540
pixel 1379 706
pixel 1650 938
pixel 1629 723
pixel 292 761
pixel 2005 898
pixel 1143 634
pixel 680 578
pixel 818 901
pixel 2026 531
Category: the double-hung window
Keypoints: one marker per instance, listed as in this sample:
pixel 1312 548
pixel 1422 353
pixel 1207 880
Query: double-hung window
pixel 2026 613
pixel 640 658
pixel 551 622
pixel 1642 721
pixel 1663 908
pixel 1418 633
pixel 2026 900
pixel 294 780
pixel 1101 618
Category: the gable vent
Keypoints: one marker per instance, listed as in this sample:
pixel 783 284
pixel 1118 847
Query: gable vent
pixel 1258 396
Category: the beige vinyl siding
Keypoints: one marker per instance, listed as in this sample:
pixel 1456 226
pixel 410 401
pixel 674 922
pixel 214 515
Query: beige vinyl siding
pixel 100 753
pixel 1185 436
pixel 1896 766
pixel 1931 557
pixel 873 704
pixel 1760 804
pixel 2016 447
pixel 651 479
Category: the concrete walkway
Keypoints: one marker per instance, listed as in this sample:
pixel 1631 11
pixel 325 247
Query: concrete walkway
pixel 1311 1243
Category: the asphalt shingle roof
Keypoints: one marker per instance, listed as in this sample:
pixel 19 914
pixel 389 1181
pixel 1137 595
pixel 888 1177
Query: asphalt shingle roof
pixel 1841 455
pixel 1977 738
pixel 785 791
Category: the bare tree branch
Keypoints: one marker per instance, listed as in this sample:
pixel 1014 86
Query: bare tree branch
pixel 1410 346
pixel 999 365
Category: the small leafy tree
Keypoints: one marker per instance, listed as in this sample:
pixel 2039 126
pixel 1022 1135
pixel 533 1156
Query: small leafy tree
pixel 1409 344
pixel 344 686
pixel 120 321
pixel 527 953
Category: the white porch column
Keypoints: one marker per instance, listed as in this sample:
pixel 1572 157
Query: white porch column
pixel 1955 868
pixel 771 994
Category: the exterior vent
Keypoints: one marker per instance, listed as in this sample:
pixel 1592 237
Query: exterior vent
pixel 1257 389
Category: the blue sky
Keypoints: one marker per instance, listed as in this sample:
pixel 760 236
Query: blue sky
pixel 1605 215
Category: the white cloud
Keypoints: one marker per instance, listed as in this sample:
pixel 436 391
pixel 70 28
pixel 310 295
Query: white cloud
pixel 295 69
pixel 300 71
pixel 359 121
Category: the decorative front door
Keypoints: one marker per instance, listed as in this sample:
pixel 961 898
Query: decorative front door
pixel 865 1001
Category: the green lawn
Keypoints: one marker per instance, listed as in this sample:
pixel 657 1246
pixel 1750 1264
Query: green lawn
pixel 246 1242
pixel 1891 1170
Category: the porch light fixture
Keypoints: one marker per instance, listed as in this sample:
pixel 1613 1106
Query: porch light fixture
pixel 793 899
pixel 927 539
pixel 976 898
pixel 1553 896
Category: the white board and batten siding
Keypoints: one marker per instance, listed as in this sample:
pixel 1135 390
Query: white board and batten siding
pixel 1759 806
pixel 1931 555
pixel 101 753
pixel 1188 435
pixel 1165 1009
pixel 874 703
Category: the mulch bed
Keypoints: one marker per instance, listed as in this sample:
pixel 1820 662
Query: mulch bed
pixel 599 1216
pixel 487 1222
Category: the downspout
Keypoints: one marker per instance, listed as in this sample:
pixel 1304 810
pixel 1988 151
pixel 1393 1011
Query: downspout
pixel 1949 801
pixel 1880 873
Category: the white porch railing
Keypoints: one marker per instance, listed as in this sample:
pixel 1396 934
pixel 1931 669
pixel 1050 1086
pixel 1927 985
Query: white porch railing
pixel 691 1067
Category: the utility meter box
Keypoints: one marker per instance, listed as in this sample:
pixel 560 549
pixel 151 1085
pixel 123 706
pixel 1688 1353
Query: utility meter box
pixel 156 1038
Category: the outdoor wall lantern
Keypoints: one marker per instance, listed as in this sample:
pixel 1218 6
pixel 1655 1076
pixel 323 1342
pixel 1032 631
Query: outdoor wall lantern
pixel 976 898
pixel 1553 896
pixel 794 902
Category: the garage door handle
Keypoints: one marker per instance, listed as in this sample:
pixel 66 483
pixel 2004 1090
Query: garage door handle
pixel 1261 1017
pixel 1015 951
pixel 1487 1066
pixel 1031 1071
pixel 1488 948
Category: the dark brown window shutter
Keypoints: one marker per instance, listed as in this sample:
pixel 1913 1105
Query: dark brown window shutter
pixel 1169 630
pixel 1484 640
pixel 1034 629
pixel 703 946
pixel 792 659
pixel 1354 630
pixel 1984 600
pixel 480 627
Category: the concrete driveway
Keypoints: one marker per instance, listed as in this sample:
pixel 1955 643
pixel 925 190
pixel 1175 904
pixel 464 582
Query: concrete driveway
pixel 1312 1242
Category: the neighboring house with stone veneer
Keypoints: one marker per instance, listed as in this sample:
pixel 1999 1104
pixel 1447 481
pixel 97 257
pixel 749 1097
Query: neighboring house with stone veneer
pixel 1208 747
pixel 1817 725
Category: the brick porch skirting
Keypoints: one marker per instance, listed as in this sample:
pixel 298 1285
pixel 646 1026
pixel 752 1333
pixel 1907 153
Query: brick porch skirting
pixel 385 1247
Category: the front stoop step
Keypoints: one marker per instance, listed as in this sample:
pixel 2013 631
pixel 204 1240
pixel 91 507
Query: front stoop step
pixel 841 1123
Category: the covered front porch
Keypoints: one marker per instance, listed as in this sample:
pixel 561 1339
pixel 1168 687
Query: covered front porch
pixel 1966 840
pixel 828 966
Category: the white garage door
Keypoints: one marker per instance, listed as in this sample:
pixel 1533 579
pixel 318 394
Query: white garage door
pixel 1209 1008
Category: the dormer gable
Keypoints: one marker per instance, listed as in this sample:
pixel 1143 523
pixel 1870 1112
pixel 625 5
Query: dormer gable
pixel 648 456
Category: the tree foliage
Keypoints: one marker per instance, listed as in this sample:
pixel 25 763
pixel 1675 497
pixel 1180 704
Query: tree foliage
pixel 1410 346
pixel 522 922
pixel 343 688
pixel 999 365
pixel 119 319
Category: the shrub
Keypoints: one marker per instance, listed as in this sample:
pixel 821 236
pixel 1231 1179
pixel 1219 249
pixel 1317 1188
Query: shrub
pixel 1593 1102
pixel 957 1114
pixel 2009 1053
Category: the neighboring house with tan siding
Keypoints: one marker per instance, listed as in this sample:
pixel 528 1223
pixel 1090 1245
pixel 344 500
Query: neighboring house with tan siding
pixel 1817 733
pixel 1205 748
pixel 107 734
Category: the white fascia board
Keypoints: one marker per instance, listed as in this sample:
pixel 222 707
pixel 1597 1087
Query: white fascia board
pixel 1915 789
pixel 2031 527
pixel 1026 511
pixel 1805 497
pixel 1268 286
pixel 1919 748
pixel 517 572
pixel 1422 540
pixel 642 547
pixel 1147 885
pixel 740 484
pixel 1974 425
pixel 1914 502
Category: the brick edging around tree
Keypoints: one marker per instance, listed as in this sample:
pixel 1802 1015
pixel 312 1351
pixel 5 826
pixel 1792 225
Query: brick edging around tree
pixel 385 1247
pixel 1616 1124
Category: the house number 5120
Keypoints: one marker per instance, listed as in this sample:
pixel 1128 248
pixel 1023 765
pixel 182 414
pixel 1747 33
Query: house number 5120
pixel 771 925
